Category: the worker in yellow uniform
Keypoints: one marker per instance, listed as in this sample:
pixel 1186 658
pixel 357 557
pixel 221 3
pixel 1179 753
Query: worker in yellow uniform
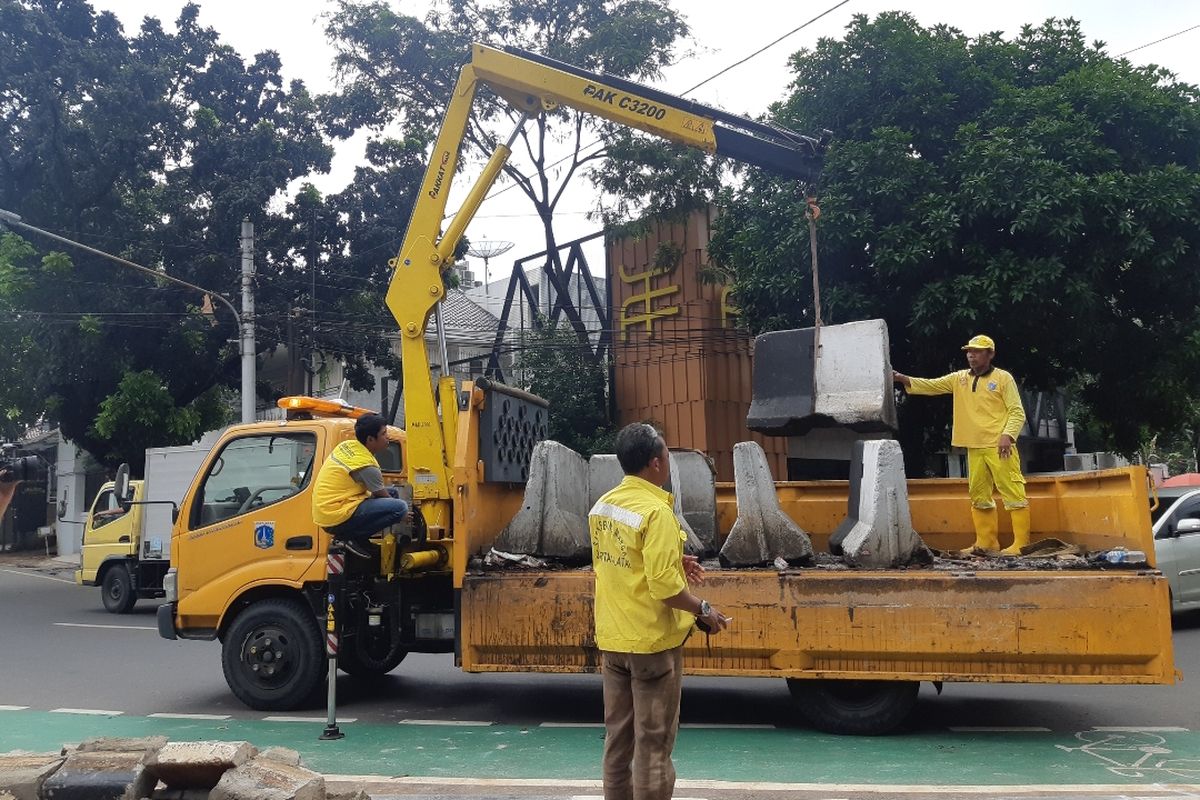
pixel 350 499
pixel 644 612
pixel 988 417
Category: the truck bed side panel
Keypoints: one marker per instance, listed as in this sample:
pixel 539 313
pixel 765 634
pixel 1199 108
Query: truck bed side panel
pixel 1037 627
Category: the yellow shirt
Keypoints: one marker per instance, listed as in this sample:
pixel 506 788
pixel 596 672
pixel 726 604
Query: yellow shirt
pixel 985 406
pixel 336 494
pixel 637 553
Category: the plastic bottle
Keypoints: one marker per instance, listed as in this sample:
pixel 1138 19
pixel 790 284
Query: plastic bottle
pixel 1122 556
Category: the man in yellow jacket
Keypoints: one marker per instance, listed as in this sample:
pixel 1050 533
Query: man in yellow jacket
pixel 644 612
pixel 350 499
pixel 988 417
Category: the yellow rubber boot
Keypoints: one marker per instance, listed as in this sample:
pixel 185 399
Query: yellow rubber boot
pixel 1020 524
pixel 987 531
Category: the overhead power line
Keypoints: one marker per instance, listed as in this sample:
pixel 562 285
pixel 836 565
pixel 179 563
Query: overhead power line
pixel 1157 41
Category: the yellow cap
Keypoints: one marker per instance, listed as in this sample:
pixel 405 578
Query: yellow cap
pixel 981 342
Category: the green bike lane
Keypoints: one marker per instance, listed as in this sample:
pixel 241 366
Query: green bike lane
pixel 776 755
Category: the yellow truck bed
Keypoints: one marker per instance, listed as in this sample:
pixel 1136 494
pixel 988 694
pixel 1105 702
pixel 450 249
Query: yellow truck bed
pixel 947 624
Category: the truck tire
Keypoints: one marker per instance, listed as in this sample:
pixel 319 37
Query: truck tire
pixel 857 708
pixel 363 660
pixel 272 655
pixel 116 590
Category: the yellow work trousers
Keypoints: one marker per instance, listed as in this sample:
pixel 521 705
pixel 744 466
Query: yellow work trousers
pixel 988 473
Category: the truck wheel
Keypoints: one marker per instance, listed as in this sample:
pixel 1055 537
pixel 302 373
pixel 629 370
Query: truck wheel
pixel 116 590
pixel 272 655
pixel 859 708
pixel 370 659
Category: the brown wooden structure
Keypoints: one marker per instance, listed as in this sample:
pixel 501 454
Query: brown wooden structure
pixel 680 359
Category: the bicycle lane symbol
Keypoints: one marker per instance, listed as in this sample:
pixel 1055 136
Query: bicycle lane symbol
pixel 1134 754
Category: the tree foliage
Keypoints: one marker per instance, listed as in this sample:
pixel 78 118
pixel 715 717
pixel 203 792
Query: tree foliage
pixel 556 366
pixel 1032 188
pixel 154 145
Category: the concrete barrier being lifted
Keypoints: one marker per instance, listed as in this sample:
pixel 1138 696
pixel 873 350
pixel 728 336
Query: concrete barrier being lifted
pixel 762 532
pixel 878 532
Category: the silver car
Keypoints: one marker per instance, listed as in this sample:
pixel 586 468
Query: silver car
pixel 1176 525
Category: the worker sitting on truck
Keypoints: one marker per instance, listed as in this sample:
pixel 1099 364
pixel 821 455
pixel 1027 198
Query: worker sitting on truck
pixel 988 417
pixel 349 498
pixel 643 612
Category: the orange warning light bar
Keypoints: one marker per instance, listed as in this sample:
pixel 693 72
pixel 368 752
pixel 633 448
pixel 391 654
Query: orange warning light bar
pixel 299 407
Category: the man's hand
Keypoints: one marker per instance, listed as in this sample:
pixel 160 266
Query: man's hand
pixel 693 571
pixel 902 379
pixel 713 622
pixel 1006 445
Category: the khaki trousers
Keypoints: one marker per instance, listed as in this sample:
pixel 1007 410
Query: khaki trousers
pixel 641 718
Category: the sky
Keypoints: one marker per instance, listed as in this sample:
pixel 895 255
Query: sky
pixel 721 34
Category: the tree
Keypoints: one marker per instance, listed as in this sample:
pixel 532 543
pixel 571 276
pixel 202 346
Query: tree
pixel 153 146
pixel 1035 189
pixel 556 366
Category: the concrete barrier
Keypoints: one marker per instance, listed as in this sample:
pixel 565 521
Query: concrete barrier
pixel 762 532
pixel 552 521
pixel 878 532
pixel 848 384
pixel 604 473
pixel 693 482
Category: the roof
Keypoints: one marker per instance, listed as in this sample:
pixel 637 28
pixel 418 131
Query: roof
pixel 466 318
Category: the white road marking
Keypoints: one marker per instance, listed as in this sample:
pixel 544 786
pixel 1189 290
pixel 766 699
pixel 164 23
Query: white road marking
pixel 114 627
pixel 28 574
pixel 724 726
pixel 999 729
pixel 1139 729
pixel 461 723
pixel 13 708
pixel 91 712
pixel 170 715
pixel 308 719
pixel 571 725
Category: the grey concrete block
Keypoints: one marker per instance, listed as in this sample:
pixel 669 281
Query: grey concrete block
pixel 346 792
pixel 842 380
pixel 762 532
pixel 694 484
pixel 197 765
pixel 604 473
pixel 22 774
pixel 552 521
pixel 117 744
pixel 283 754
pixel 100 775
pixel 263 779
pixel 877 532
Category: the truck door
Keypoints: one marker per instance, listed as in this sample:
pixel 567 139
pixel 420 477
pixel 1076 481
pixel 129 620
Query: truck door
pixel 1178 548
pixel 110 532
pixel 250 515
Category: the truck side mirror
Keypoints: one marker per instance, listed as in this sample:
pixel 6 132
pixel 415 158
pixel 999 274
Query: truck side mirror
pixel 121 487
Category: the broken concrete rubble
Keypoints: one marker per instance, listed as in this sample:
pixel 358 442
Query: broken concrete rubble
pixel 264 779
pixel 762 531
pixel 197 764
pixel 22 775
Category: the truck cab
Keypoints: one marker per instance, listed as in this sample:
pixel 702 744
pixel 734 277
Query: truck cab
pixel 112 537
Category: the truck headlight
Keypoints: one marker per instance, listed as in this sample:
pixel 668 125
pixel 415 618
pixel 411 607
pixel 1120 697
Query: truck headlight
pixel 170 581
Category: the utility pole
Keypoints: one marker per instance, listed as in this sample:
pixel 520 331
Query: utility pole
pixel 249 376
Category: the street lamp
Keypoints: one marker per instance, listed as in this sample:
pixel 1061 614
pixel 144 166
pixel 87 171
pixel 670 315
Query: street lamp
pixel 247 390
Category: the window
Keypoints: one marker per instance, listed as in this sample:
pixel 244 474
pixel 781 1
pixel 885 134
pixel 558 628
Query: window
pixel 106 509
pixel 392 459
pixel 253 472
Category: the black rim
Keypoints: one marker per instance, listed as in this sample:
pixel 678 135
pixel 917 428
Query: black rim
pixel 267 656
pixel 116 588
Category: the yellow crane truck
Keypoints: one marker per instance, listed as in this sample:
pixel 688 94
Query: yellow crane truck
pixel 248 566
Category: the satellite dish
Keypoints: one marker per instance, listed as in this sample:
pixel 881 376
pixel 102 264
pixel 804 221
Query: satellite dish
pixel 488 250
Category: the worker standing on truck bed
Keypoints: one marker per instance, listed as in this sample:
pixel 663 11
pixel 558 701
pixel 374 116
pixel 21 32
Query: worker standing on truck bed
pixel 988 417
pixel 349 498
pixel 644 613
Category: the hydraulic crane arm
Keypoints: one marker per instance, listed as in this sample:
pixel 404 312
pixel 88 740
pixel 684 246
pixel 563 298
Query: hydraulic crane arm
pixel 532 84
